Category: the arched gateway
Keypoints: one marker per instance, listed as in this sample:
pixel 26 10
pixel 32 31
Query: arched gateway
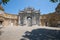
pixel 29 21
pixel 29 16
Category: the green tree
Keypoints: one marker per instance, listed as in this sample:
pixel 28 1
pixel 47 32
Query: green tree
pixel 54 1
pixel 4 1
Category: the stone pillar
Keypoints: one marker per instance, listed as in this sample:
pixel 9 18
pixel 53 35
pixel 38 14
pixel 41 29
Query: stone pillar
pixel 25 21
pixel 34 20
pixel 19 20
pixel 38 19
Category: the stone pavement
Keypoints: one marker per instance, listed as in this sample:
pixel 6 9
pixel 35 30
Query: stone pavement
pixel 16 32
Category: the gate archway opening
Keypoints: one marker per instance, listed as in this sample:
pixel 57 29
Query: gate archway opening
pixel 29 21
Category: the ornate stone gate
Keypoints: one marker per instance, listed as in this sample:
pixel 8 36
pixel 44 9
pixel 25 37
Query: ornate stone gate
pixel 29 16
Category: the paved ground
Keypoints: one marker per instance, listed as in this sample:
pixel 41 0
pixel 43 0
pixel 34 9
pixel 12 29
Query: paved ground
pixel 15 33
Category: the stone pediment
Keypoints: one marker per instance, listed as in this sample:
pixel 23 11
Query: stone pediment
pixel 29 10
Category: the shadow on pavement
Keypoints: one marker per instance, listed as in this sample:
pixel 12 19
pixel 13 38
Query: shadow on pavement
pixel 42 34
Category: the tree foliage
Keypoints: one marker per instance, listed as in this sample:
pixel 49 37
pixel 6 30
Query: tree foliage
pixel 54 1
pixel 4 1
pixel 41 34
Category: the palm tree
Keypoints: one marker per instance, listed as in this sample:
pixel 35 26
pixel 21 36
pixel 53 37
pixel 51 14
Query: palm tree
pixel 55 1
pixel 4 1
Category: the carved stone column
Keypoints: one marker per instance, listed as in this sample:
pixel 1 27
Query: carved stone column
pixel 19 20
pixel 38 19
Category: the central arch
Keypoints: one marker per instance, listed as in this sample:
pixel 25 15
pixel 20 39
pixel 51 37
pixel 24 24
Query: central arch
pixel 29 21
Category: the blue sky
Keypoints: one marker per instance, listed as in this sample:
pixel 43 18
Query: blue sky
pixel 45 6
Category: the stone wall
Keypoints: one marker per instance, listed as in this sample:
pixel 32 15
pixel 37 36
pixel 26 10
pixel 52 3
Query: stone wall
pixel 8 20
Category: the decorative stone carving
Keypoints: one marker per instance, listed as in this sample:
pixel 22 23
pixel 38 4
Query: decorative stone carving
pixel 29 17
